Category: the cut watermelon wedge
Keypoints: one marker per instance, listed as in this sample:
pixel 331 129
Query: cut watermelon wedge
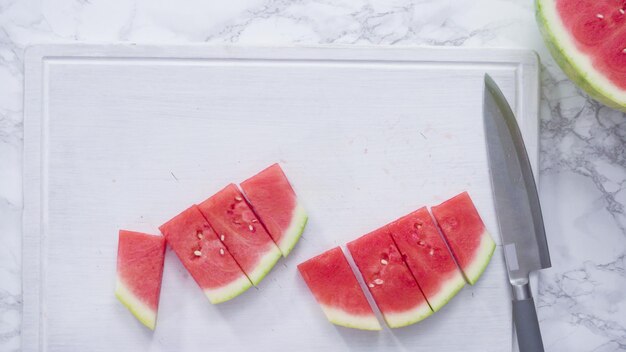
pixel 427 256
pixel 463 229
pixel 275 202
pixel 387 277
pixel 337 291
pixel 204 256
pixel 587 38
pixel 239 229
pixel 139 271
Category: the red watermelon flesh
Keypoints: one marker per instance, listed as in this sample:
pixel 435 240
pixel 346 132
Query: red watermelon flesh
pixel 240 230
pixel 598 28
pixel 332 282
pixel 389 280
pixel 427 256
pixel 204 256
pixel 275 202
pixel 465 232
pixel 139 271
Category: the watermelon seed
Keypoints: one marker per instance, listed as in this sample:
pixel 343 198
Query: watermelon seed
pixel 238 198
pixel 251 228
pixel 237 222
pixel 624 50
pixel 200 235
pixel 384 262
pixel 371 285
pixel 418 225
pixel 378 281
pixel 222 251
pixel 197 253
pixel 600 16
pixel 621 11
pixel 222 237
pixel 432 251
pixel 253 220
pixel 421 243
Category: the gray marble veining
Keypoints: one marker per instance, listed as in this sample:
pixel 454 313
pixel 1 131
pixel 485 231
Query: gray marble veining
pixel 582 299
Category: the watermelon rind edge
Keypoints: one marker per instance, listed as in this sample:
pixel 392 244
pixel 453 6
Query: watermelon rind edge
pixel 408 317
pixel 228 292
pixel 345 319
pixel 139 309
pixel 265 265
pixel 482 258
pixel 294 231
pixel 447 292
pixel 571 61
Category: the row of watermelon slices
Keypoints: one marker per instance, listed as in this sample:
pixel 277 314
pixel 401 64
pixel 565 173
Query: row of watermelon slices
pixel 406 265
pixel 228 243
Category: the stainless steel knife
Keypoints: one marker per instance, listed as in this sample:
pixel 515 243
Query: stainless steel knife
pixel 517 209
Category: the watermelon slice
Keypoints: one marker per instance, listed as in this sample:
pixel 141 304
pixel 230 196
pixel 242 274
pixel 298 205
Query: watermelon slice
pixel 427 256
pixel 469 241
pixel 139 272
pixel 239 229
pixel 392 285
pixel 204 256
pixel 587 38
pixel 336 289
pixel 275 202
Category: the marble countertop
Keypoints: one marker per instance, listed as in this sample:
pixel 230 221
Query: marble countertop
pixel 582 298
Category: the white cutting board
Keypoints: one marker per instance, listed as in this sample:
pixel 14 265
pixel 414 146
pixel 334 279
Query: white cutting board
pixel 128 136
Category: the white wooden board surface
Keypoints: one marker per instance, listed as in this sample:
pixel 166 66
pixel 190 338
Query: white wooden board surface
pixel 128 136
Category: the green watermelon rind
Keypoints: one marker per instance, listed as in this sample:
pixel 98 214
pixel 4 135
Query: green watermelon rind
pixel 408 317
pixel 342 318
pixel 447 291
pixel 475 269
pixel 294 231
pixel 229 291
pixel 139 309
pixel 265 265
pixel 571 61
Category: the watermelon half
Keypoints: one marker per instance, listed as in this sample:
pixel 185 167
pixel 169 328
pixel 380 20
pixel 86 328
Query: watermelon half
pixel 427 256
pixel 587 38
pixel 389 280
pixel 240 230
pixel 204 256
pixel 332 282
pixel 465 232
pixel 276 204
pixel 139 271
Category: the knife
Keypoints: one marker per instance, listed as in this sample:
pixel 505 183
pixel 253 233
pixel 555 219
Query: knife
pixel 517 209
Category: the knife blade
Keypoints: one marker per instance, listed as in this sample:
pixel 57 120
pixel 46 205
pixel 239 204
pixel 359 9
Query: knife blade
pixel 518 210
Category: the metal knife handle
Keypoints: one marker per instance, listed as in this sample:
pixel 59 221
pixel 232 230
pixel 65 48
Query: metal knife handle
pixel 526 322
